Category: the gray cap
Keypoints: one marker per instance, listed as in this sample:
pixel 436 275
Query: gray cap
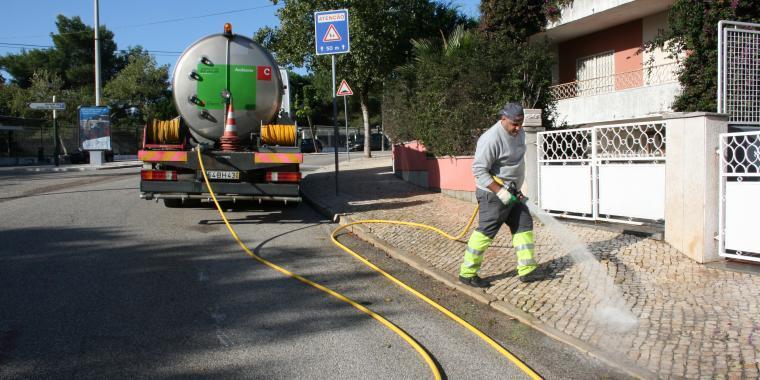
pixel 512 111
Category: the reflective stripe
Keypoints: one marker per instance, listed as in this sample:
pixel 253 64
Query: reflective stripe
pixel 473 255
pixel 523 243
pixel 523 247
pixel 522 238
pixel 474 251
pixel 522 263
pixel 479 241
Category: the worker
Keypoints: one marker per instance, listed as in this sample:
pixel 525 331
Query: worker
pixel 499 161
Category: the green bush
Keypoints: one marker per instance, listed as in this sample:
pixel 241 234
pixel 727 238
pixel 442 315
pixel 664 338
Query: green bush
pixel 693 32
pixel 450 93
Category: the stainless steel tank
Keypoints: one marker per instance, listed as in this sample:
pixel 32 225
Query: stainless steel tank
pixel 204 71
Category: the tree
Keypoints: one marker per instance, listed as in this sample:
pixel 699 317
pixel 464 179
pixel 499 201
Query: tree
pixel 72 56
pixel 381 32
pixel 506 26
pixel 306 106
pixel 518 19
pixel 454 85
pixel 422 104
pixel 142 84
pixel 692 32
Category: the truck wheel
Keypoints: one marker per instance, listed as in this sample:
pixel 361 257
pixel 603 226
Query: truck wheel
pixel 172 202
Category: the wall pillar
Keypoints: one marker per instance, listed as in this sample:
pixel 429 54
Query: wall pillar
pixel 691 183
pixel 532 125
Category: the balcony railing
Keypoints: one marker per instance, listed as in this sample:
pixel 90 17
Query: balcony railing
pixel 650 76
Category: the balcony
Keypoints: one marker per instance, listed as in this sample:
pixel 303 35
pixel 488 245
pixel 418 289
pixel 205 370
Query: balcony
pixel 630 95
pixel 583 17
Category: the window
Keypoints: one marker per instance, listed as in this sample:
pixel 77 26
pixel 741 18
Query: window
pixel 595 73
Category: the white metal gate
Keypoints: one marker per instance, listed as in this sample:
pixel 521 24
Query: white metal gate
pixel 612 172
pixel 739 72
pixel 739 195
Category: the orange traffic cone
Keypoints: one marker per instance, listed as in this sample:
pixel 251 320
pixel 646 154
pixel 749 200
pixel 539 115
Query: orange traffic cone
pixel 230 140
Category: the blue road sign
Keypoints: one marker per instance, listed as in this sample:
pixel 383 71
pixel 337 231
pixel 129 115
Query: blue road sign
pixel 331 32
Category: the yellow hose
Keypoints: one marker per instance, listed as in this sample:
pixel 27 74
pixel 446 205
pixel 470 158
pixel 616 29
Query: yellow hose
pixel 278 134
pixel 503 351
pixel 417 347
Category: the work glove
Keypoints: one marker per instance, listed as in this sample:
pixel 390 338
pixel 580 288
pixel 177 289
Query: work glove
pixel 509 195
pixel 506 197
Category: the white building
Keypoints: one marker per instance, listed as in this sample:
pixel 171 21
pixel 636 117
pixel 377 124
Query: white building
pixel 603 73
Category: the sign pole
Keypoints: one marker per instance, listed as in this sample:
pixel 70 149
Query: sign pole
pixel 335 123
pixel 56 150
pixel 331 37
pixel 345 114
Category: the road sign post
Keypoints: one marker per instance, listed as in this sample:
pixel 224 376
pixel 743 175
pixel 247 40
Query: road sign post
pixel 56 149
pixel 345 91
pixel 54 107
pixel 331 37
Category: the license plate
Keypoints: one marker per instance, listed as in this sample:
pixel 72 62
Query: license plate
pixel 222 174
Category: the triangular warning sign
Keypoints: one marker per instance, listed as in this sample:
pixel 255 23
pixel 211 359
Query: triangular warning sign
pixel 343 89
pixel 331 35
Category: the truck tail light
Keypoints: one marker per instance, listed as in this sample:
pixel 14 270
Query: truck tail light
pixel 283 177
pixel 158 175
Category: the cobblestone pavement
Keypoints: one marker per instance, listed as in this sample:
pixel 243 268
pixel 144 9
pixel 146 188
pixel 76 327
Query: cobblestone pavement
pixel 693 321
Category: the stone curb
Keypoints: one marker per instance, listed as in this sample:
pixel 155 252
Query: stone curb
pixel 60 169
pixel 615 361
pixel 78 169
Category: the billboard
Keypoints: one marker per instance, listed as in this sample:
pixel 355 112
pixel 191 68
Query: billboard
pixel 95 128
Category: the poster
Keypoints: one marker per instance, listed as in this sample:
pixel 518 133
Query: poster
pixel 95 128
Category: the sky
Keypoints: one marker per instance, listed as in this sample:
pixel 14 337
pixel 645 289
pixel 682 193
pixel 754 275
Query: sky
pixel 163 27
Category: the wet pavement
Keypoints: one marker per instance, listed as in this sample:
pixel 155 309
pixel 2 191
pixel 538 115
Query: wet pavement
pixel 692 320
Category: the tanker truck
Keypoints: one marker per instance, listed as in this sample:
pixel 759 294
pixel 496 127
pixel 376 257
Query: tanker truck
pixel 228 92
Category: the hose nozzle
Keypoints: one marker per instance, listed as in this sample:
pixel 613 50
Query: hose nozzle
pixel 512 188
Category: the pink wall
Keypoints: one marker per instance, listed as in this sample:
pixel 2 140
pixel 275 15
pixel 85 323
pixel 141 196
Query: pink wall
pixel 624 39
pixel 448 173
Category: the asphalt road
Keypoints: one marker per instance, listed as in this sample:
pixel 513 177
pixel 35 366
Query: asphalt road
pixel 96 283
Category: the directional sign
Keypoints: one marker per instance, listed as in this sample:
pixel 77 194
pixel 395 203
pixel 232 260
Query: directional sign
pixel 343 89
pixel 48 106
pixel 331 32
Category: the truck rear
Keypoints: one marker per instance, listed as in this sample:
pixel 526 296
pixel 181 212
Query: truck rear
pixel 229 94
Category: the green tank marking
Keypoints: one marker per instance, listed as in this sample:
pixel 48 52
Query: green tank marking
pixel 242 86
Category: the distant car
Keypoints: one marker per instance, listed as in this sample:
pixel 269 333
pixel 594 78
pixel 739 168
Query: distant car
pixel 307 146
pixel 375 144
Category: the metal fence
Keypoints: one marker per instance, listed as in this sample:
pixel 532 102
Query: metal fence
pixel 739 72
pixel 600 173
pixel 739 195
pixel 651 76
pixel 34 145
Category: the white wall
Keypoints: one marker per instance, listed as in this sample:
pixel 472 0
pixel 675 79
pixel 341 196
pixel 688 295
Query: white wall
pixel 619 105
pixel 583 8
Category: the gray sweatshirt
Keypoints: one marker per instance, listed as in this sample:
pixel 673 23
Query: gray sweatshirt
pixel 501 154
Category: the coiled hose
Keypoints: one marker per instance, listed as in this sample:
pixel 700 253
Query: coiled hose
pixel 278 134
pixel 163 131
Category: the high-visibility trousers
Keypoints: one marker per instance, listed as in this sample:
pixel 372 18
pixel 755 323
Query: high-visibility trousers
pixel 491 216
